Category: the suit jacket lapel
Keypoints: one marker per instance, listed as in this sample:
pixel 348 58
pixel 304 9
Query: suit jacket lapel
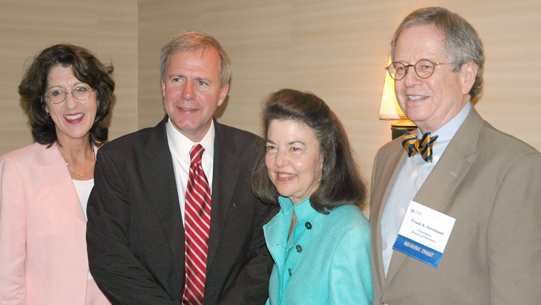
pixel 446 175
pixel 453 165
pixel 226 171
pixel 56 175
pixel 392 163
pixel 158 176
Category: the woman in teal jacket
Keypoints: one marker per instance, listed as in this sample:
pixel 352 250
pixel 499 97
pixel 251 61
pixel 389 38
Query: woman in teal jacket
pixel 320 240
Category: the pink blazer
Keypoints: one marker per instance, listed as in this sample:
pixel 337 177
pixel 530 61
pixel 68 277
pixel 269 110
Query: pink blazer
pixel 43 257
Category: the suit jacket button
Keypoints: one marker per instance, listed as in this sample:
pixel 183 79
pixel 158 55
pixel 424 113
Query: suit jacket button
pixel 308 225
pixel 290 272
pixel 299 248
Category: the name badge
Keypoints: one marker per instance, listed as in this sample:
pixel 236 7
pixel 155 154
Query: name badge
pixel 424 233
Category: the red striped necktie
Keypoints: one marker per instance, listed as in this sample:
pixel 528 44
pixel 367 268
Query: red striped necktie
pixel 197 226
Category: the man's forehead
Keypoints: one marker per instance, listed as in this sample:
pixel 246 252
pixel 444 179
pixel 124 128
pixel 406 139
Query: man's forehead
pixel 204 57
pixel 199 51
pixel 421 37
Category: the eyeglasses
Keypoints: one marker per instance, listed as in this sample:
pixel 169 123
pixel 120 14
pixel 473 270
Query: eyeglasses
pixel 80 93
pixel 424 69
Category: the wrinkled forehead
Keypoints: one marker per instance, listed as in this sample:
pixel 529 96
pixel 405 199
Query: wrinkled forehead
pixel 422 42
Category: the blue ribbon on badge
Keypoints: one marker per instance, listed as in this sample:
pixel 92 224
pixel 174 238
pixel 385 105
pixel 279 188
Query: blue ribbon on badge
pixel 418 251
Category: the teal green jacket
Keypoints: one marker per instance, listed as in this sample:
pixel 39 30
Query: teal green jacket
pixel 325 261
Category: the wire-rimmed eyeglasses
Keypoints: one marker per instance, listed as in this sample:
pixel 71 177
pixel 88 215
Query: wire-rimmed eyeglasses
pixel 80 93
pixel 424 68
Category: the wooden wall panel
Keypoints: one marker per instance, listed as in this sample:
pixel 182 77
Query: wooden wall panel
pixel 259 43
pixel 339 53
pixel 157 21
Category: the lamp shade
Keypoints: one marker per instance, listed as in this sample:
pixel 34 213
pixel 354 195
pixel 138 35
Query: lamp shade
pixel 390 110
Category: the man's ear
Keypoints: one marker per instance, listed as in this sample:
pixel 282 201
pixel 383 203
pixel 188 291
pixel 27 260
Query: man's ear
pixel 223 94
pixel 469 73
pixel 163 88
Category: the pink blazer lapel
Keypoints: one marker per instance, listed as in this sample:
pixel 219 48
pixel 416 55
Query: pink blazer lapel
pixel 54 172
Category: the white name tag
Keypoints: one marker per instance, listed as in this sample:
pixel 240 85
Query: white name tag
pixel 424 233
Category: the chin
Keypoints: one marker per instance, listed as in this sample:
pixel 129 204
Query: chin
pixel 284 193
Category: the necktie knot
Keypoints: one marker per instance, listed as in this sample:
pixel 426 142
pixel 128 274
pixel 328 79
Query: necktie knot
pixel 196 153
pixel 413 145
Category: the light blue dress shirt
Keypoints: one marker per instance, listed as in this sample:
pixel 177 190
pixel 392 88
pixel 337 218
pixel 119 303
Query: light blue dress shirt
pixel 326 260
pixel 411 177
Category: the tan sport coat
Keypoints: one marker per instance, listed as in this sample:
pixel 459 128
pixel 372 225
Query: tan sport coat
pixel 490 183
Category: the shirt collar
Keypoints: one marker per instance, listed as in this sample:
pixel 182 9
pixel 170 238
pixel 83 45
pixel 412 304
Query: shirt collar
pixel 303 209
pixel 180 145
pixel 448 131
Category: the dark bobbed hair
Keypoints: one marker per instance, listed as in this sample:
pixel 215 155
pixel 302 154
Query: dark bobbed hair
pixel 461 42
pixel 340 183
pixel 192 41
pixel 87 69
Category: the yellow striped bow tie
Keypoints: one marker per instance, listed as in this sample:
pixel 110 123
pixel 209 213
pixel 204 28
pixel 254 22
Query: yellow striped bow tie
pixel 415 146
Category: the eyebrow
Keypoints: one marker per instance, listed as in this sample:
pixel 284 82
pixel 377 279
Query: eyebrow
pixel 171 76
pixel 61 87
pixel 208 80
pixel 289 143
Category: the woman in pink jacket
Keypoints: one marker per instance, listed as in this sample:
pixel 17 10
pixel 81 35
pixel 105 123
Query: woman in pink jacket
pixel 44 187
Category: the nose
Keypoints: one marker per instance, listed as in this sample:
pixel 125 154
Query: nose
pixel 280 160
pixel 187 91
pixel 411 78
pixel 70 101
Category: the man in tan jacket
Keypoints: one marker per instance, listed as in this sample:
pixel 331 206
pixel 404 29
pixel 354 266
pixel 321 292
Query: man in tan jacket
pixel 487 182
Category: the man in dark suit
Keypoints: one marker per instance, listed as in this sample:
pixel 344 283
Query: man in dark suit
pixel 136 234
pixel 487 181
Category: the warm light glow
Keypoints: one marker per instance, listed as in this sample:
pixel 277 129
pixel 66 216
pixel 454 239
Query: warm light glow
pixel 390 110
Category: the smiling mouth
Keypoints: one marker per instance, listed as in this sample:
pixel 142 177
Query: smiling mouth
pixel 187 109
pixel 416 97
pixel 286 175
pixel 73 117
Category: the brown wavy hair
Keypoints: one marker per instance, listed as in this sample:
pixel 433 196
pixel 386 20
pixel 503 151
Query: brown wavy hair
pixel 340 183
pixel 87 69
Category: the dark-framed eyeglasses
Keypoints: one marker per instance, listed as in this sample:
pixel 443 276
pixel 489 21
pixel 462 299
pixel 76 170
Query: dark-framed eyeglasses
pixel 80 93
pixel 424 68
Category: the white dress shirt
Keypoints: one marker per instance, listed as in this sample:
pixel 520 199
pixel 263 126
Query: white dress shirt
pixel 411 177
pixel 180 147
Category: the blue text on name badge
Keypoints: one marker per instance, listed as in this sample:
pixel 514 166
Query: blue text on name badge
pixel 416 250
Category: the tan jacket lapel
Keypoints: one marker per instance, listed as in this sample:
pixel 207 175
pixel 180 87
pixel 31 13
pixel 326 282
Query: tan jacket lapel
pixel 391 160
pixel 445 177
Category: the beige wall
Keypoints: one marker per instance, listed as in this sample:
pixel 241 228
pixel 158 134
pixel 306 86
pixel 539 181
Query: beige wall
pixel 336 49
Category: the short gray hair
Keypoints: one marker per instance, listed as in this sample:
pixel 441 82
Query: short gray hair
pixel 192 41
pixel 461 42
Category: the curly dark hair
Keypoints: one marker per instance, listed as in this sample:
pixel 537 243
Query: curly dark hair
pixel 340 183
pixel 87 69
